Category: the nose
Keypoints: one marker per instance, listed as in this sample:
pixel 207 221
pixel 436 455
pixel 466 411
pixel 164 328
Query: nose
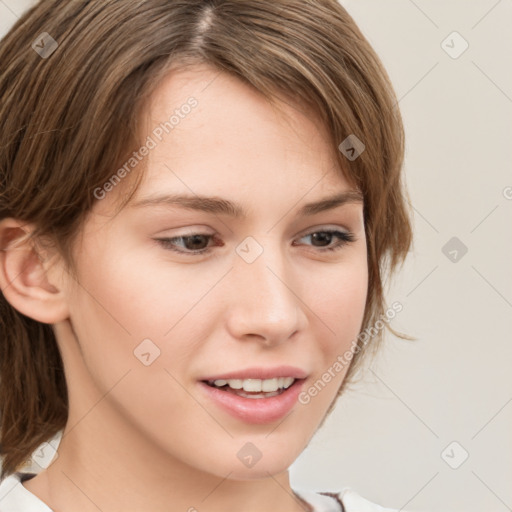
pixel 264 299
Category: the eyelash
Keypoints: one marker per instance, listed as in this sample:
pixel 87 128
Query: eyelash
pixel 344 239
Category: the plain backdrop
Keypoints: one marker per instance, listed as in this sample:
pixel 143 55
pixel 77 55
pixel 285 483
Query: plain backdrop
pixel 428 427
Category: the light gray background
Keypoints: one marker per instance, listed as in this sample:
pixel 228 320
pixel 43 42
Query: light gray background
pixel 386 439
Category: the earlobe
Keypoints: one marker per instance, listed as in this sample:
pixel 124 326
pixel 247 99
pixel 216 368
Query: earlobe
pixel 24 275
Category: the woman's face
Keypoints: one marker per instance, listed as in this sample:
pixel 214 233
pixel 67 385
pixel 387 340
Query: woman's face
pixel 266 305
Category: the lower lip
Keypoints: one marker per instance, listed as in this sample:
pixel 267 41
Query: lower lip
pixel 255 410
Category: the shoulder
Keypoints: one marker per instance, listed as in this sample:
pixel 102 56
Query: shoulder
pixel 353 502
pixel 14 497
pixel 346 500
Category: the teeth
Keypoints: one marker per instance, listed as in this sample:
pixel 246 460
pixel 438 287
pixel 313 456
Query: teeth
pixel 257 385
pixel 270 385
pixel 252 385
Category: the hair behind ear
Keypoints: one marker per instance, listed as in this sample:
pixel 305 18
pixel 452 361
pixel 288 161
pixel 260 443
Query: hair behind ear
pixel 33 392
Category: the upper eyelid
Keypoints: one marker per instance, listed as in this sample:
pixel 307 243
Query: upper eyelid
pixel 325 228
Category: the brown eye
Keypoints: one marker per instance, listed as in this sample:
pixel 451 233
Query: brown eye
pixel 196 243
pixel 326 237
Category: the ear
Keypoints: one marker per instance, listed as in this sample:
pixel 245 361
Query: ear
pixel 24 271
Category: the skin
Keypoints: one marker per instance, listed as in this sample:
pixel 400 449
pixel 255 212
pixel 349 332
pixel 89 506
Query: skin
pixel 145 437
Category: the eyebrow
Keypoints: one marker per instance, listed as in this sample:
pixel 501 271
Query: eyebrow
pixel 221 206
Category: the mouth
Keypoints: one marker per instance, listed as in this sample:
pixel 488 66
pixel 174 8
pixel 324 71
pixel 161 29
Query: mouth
pixel 253 388
pixel 255 395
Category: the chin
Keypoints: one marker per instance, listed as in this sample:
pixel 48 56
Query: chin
pixel 251 463
pixel 260 470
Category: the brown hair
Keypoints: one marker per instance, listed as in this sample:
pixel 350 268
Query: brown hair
pixel 68 120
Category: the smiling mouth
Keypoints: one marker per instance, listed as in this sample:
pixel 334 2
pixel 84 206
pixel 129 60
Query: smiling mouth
pixel 253 388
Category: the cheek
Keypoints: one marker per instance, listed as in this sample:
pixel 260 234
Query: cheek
pixel 128 303
pixel 340 301
pixel 132 320
pixel 339 307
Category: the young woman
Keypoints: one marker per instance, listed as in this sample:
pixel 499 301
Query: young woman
pixel 199 203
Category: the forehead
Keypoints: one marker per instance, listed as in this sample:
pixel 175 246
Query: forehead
pixel 213 135
pixel 231 125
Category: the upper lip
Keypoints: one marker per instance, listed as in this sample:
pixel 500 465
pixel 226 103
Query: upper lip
pixel 260 373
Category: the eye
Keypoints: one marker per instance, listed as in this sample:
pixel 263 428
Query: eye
pixel 197 243
pixel 192 243
pixel 326 237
